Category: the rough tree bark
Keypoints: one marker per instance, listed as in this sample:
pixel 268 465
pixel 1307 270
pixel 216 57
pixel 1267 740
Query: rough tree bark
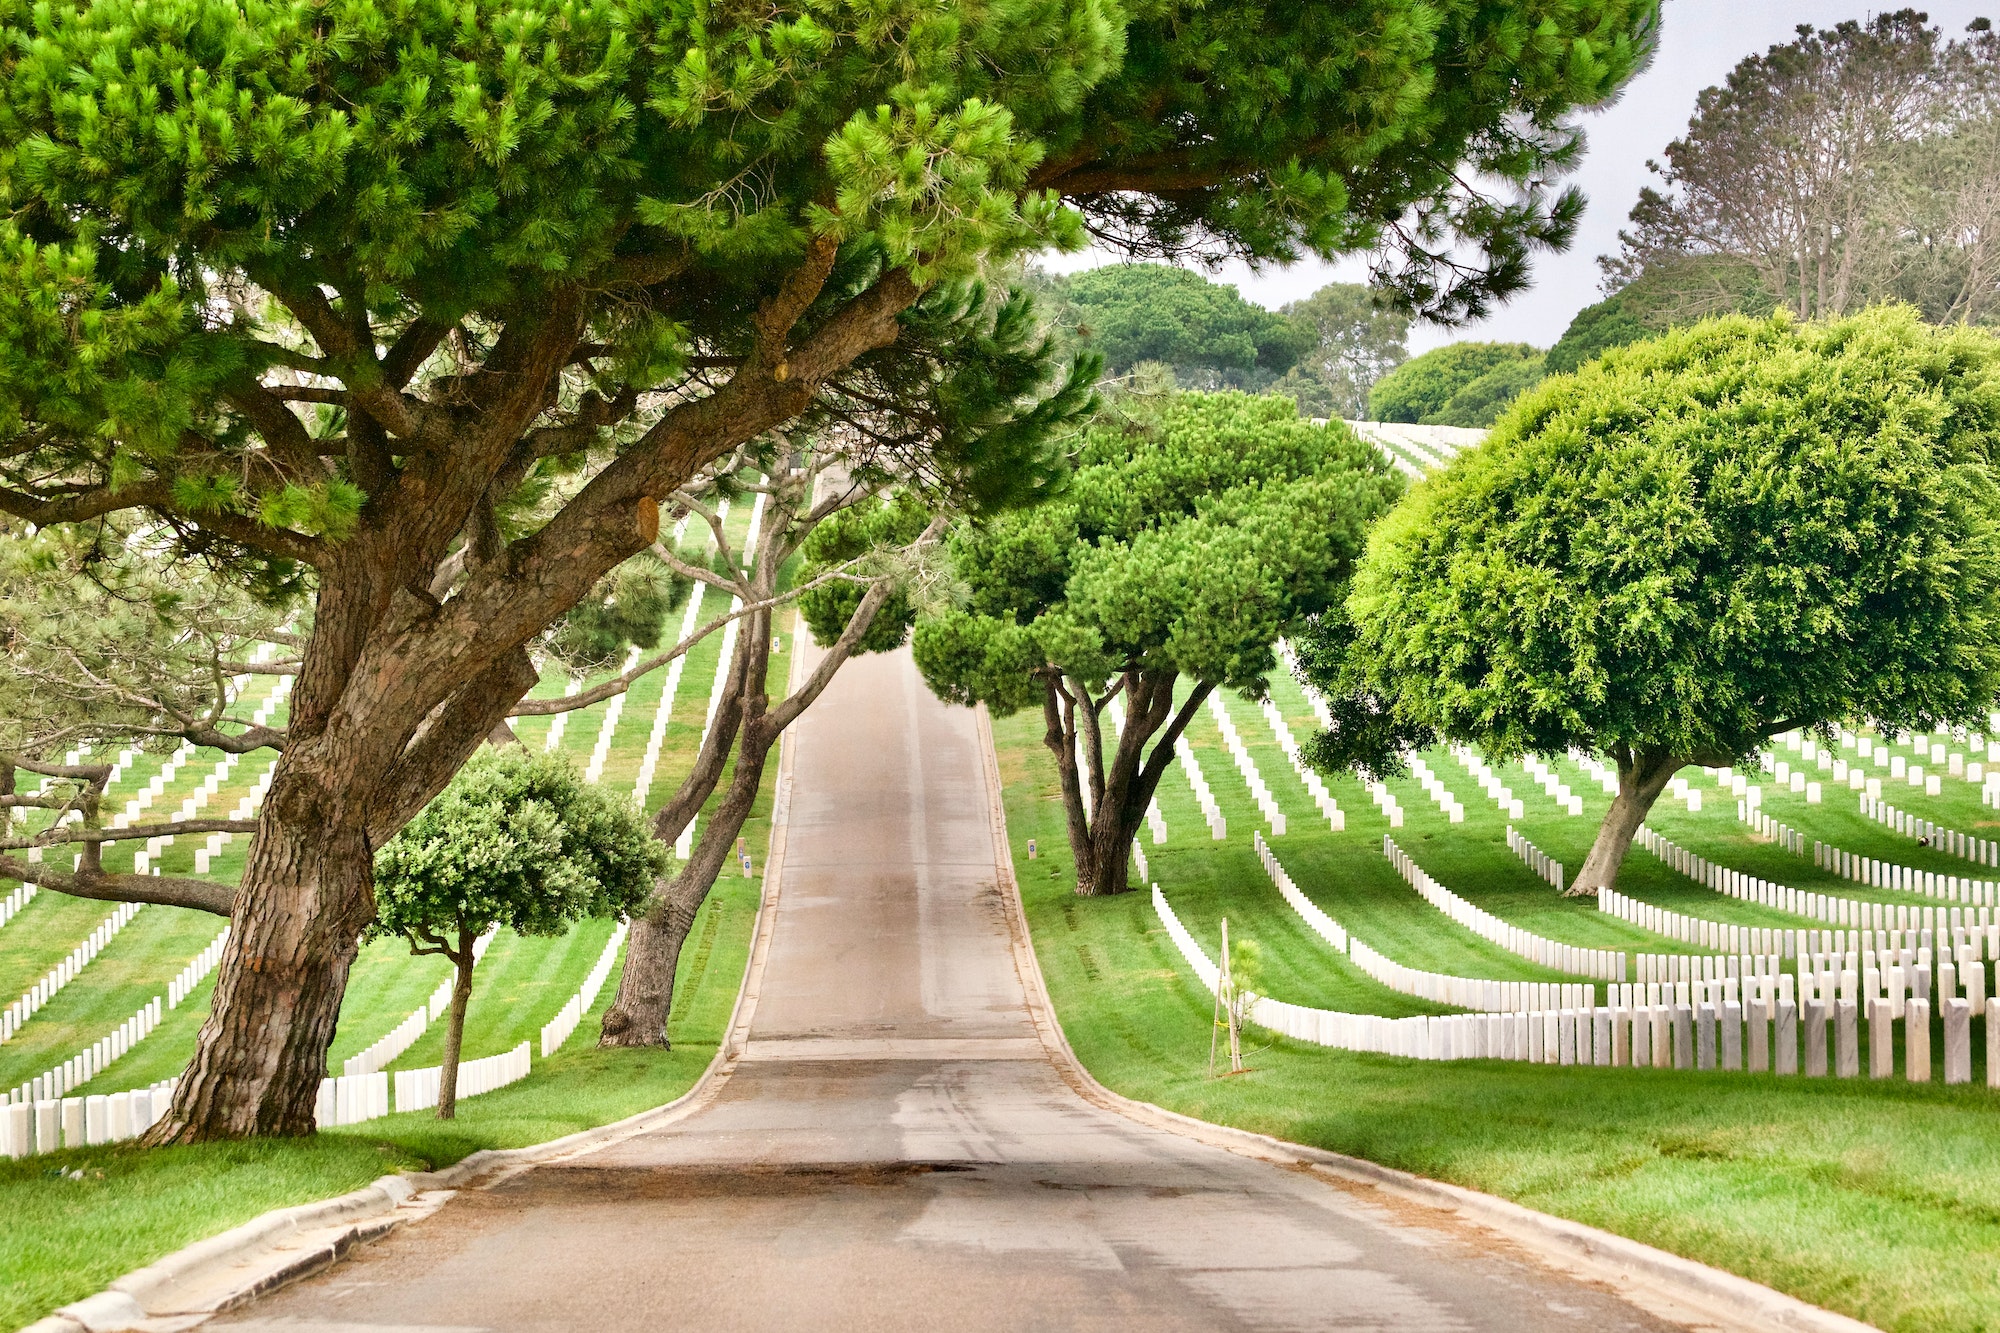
pixel 1642 776
pixel 638 1014
pixel 1101 840
pixel 652 949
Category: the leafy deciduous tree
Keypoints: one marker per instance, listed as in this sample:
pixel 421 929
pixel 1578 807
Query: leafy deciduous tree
pixel 1854 164
pixel 515 840
pixel 1696 543
pixel 1353 340
pixel 1187 543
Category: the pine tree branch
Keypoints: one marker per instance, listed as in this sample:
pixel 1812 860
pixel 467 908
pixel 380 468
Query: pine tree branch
pixel 162 890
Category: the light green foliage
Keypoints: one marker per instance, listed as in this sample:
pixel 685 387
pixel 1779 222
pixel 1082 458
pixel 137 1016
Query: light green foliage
pixel 1352 340
pixel 1692 544
pixel 1187 542
pixel 1152 312
pixel 1422 387
pixel 516 840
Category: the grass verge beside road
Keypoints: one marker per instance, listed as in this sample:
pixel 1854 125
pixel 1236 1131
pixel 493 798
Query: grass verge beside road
pixel 75 1220
pixel 1879 1200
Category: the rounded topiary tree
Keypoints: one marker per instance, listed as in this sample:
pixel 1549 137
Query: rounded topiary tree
pixel 1422 386
pixel 1735 530
pixel 516 840
pixel 1188 542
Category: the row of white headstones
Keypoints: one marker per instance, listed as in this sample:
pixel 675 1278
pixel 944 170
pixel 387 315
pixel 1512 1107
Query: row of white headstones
pixel 1707 999
pixel 1763 1035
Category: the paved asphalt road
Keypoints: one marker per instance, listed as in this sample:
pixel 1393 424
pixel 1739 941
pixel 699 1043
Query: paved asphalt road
pixel 895 1151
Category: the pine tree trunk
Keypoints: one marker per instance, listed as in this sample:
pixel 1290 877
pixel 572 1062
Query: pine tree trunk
pixel 454 1032
pixel 1132 778
pixel 1059 734
pixel 1641 779
pixel 1111 855
pixel 644 1002
pixel 294 932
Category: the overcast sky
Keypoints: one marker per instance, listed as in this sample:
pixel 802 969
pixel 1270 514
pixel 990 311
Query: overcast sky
pixel 1701 41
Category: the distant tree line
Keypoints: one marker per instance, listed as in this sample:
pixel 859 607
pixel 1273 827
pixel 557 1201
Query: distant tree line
pixel 1157 327
pixel 1852 166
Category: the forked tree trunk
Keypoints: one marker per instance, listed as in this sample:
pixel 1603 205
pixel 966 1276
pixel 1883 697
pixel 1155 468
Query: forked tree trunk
pixel 1101 840
pixel 643 1002
pixel 454 1033
pixel 1642 776
pixel 1059 709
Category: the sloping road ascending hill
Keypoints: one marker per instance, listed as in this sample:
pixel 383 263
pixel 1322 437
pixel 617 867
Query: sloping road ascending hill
pixel 897 1151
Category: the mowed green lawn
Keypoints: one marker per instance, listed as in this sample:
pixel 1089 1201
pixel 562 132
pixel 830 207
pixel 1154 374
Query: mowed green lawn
pixel 1880 1200
pixel 74 1220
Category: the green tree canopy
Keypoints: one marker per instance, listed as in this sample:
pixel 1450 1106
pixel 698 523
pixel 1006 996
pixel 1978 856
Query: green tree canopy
pixel 1188 542
pixel 335 283
pixel 516 840
pixel 1154 312
pixel 1696 543
pixel 1352 340
pixel 1422 387
pixel 1481 402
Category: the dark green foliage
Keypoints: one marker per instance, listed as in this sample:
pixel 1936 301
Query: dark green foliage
pixel 517 840
pixel 985 399
pixel 628 606
pixel 1595 330
pixel 1186 542
pixel 1481 402
pixel 1420 388
pixel 1152 312
pixel 1667 293
pixel 852 537
pixel 1304 91
pixel 1732 530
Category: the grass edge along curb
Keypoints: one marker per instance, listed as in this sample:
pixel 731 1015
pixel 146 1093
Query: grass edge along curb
pixel 372 1211
pixel 1626 1264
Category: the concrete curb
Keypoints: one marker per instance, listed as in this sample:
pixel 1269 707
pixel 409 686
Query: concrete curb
pixel 130 1303
pixel 1622 1263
